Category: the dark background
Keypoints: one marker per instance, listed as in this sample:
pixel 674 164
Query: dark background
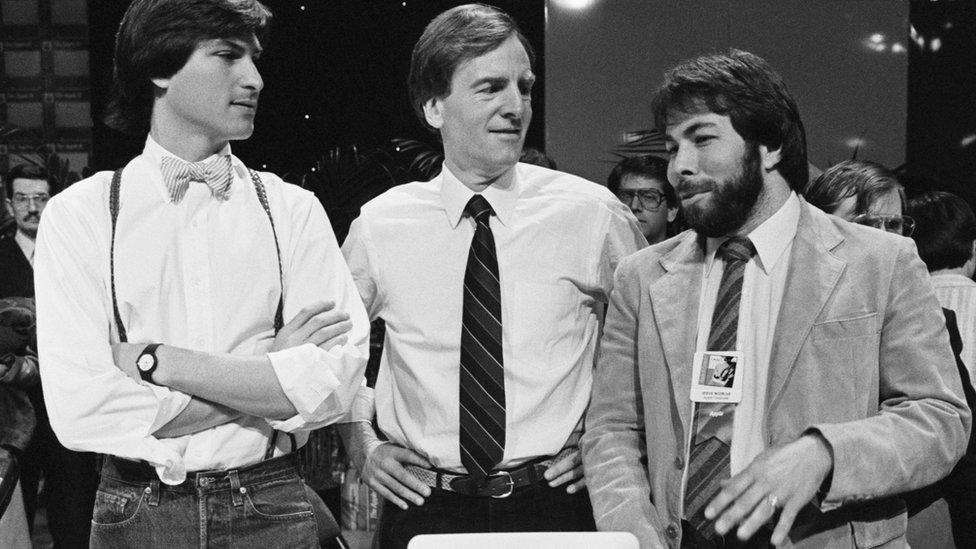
pixel 342 62
pixel 345 63
pixel 941 144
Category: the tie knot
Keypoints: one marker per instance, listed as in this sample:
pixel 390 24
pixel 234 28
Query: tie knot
pixel 737 248
pixel 478 208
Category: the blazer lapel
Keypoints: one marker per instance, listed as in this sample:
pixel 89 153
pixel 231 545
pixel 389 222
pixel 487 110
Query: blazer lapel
pixel 813 273
pixel 674 298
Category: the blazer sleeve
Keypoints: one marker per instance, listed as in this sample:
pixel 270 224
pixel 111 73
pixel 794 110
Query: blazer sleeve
pixel 613 444
pixel 922 425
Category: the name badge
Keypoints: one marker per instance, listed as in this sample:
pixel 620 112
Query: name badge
pixel 717 376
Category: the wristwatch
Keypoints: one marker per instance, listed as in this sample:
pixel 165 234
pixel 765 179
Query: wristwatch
pixel 147 362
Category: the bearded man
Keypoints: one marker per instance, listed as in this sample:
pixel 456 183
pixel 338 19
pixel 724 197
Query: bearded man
pixel 844 393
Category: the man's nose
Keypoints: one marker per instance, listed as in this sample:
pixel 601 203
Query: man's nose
pixel 635 204
pixel 514 102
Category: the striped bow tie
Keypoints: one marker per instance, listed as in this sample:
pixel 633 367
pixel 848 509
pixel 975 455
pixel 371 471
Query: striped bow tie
pixel 216 173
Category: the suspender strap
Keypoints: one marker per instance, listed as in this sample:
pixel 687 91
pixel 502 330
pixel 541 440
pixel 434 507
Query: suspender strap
pixel 279 320
pixel 113 205
pixel 269 453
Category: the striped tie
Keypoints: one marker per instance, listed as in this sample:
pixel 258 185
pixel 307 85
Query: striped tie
pixel 482 386
pixel 216 173
pixel 708 461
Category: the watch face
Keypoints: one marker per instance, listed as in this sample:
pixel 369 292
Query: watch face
pixel 145 362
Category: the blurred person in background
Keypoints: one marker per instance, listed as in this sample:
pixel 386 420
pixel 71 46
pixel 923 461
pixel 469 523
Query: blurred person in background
pixel 864 192
pixel 641 182
pixel 945 233
pixel 70 478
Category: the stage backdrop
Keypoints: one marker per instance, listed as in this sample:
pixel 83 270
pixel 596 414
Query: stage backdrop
pixel 844 61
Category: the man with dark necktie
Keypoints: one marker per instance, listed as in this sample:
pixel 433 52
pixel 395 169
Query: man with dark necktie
pixel 844 393
pixel 492 278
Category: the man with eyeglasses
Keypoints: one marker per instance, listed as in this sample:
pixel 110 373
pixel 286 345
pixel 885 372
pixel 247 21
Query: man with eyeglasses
pixel 641 182
pixel 862 192
pixel 28 191
pixel 70 478
pixel 892 223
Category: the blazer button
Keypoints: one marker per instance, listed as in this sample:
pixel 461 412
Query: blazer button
pixel 671 531
pixel 679 463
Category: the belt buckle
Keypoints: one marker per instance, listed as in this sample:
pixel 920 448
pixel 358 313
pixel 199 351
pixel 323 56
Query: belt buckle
pixel 507 490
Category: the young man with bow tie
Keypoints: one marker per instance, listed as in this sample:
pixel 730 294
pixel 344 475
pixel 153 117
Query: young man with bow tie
pixel 161 294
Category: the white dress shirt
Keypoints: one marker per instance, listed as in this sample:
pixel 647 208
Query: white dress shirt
pixel 558 239
pixel 958 293
pixel 762 293
pixel 26 244
pixel 200 274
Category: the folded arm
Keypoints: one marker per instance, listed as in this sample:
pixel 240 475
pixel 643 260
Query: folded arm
pixel 248 385
pixel 93 405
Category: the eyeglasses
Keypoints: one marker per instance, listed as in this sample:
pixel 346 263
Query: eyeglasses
pixel 22 199
pixel 649 199
pixel 898 224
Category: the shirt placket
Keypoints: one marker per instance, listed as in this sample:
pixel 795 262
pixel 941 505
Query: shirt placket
pixel 199 310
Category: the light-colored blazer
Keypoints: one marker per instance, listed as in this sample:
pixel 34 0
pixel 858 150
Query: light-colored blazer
pixel 860 355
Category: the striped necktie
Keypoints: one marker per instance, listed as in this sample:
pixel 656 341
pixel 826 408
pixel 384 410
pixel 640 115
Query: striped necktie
pixel 178 174
pixel 482 376
pixel 708 462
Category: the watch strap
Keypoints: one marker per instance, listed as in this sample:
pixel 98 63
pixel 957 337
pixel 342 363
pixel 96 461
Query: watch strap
pixel 150 350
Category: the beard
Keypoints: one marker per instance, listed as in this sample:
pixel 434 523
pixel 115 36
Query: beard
pixel 731 201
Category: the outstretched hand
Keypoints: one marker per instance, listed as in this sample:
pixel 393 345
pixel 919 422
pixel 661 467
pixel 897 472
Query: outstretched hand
pixel 786 477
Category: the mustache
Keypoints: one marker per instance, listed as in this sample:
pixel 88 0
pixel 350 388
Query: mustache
pixel 32 217
pixel 687 187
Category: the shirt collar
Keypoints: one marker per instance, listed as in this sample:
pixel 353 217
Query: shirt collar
pixel 153 152
pixel 771 238
pixel 952 278
pixel 26 244
pixel 502 196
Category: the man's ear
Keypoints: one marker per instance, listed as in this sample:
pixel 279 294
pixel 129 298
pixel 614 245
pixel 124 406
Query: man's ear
pixel 672 214
pixel 770 158
pixel 10 207
pixel 433 112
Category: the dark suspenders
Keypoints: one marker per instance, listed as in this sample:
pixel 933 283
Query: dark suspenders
pixel 113 204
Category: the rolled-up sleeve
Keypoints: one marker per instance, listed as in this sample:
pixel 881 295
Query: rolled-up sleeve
pixel 320 383
pixel 92 404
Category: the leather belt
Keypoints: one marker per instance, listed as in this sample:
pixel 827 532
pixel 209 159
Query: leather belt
pixel 498 484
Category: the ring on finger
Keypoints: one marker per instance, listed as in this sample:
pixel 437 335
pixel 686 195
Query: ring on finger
pixel 773 501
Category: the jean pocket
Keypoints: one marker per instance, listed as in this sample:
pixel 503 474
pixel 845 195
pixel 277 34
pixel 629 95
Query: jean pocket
pixel 278 500
pixel 117 506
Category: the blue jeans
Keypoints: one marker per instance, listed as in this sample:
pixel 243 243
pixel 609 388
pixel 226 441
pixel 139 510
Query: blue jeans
pixel 262 505
pixel 536 508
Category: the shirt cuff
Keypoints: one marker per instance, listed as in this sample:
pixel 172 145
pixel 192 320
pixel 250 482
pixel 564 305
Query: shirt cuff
pixel 307 381
pixel 172 470
pixel 171 404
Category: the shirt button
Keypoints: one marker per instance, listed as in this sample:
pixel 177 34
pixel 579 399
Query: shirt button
pixel 679 463
pixel 671 531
